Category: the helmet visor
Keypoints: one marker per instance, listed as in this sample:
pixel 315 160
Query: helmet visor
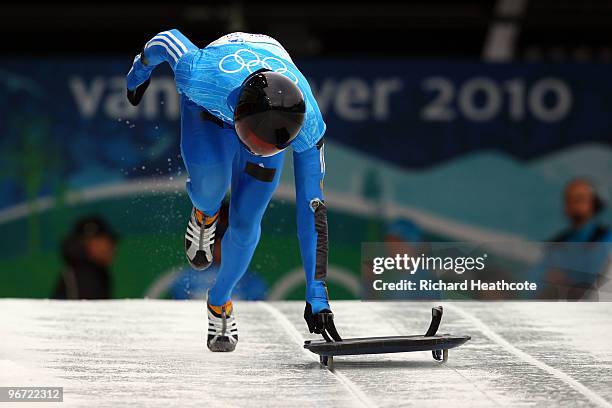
pixel 268 133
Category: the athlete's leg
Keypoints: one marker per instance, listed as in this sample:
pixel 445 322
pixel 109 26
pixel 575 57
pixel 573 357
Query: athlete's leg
pixel 208 150
pixel 208 147
pixel 253 183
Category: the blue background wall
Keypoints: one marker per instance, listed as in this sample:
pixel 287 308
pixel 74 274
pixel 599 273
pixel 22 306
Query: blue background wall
pixel 467 150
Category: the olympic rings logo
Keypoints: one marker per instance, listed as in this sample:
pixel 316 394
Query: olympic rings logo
pixel 245 58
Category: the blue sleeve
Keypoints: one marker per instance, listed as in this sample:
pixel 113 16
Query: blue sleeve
pixel 314 126
pixel 309 167
pixel 167 46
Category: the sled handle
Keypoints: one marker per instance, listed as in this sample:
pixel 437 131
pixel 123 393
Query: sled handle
pixel 436 318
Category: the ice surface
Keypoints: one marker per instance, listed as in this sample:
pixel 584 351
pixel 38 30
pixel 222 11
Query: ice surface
pixel 153 353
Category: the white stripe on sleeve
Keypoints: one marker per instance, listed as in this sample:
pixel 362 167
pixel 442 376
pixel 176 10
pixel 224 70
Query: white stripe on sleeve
pixel 168 41
pixel 176 40
pixel 170 52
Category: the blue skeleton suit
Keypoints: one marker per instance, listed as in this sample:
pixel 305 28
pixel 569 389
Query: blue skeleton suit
pixel 208 81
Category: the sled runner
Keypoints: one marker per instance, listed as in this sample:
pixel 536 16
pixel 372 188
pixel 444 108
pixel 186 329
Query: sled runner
pixel 437 344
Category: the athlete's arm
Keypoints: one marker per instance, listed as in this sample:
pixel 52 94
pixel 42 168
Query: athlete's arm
pixel 309 168
pixel 167 46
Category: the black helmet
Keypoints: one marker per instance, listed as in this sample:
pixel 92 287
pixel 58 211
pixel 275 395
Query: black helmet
pixel 269 113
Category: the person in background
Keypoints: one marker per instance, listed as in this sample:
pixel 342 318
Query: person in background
pixel 582 204
pixel 88 253
pixel 571 270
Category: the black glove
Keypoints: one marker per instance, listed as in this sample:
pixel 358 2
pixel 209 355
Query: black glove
pixel 321 323
pixel 136 95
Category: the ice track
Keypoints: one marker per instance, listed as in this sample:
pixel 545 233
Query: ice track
pixel 153 353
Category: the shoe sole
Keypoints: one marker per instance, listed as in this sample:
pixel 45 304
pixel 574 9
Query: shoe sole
pixel 221 347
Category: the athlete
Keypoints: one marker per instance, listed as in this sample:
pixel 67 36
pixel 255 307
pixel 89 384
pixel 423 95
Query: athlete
pixel 243 103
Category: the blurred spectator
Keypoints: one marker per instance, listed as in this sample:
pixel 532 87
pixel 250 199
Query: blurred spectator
pixel 582 203
pixel 574 266
pixel 88 254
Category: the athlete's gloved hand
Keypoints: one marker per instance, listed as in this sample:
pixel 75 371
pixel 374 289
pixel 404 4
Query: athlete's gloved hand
pixel 134 96
pixel 321 323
